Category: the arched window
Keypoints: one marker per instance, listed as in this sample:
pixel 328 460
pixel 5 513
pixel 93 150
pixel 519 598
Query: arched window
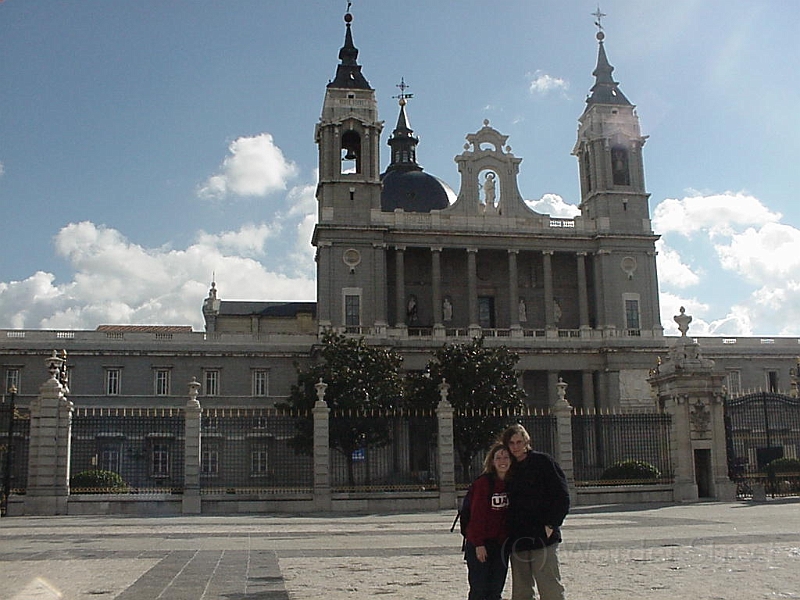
pixel 351 152
pixel 619 166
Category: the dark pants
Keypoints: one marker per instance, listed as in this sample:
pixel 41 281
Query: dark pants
pixel 486 579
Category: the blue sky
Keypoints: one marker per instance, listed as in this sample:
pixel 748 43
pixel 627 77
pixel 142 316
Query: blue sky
pixel 146 145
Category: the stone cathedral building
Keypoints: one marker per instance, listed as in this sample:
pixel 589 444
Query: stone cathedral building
pixel 406 262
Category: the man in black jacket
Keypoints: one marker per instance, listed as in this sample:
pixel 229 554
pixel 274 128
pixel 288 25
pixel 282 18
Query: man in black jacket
pixel 538 504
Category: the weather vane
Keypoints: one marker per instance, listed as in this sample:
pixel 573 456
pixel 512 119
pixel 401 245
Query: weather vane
pixel 402 96
pixel 599 16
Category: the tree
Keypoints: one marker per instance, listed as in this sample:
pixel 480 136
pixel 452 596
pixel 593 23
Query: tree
pixel 363 383
pixel 483 391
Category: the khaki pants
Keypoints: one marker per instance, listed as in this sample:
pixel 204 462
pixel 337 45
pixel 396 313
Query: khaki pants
pixel 539 567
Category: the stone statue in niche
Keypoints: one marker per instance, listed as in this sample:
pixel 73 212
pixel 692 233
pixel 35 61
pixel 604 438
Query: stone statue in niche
pixel 447 309
pixel 489 189
pixel 411 309
pixel 557 311
pixel 523 311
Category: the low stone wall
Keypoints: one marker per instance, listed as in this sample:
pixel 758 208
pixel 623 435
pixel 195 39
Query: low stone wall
pixel 623 494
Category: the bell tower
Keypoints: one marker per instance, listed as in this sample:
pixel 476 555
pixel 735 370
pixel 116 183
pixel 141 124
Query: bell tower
pixel 351 264
pixel 609 153
pixel 348 137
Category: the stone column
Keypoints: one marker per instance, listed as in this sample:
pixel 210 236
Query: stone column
pixel 552 387
pixel 563 412
pixel 436 284
pixel 588 390
pixel 400 287
pixel 322 450
pixel 49 450
pixel 193 414
pixel 513 290
pixel 583 293
pixel 446 447
pixel 380 287
pixel 324 300
pixel 549 301
pixel 472 290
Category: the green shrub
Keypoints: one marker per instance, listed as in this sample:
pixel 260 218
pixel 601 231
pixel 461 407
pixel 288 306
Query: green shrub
pixel 98 482
pixel 783 465
pixel 630 470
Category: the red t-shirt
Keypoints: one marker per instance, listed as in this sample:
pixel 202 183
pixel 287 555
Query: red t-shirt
pixel 487 521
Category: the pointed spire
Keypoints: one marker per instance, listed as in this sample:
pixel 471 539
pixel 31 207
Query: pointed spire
pixel 605 90
pixel 403 142
pixel 348 73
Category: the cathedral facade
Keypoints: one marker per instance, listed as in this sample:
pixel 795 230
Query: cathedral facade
pixel 406 262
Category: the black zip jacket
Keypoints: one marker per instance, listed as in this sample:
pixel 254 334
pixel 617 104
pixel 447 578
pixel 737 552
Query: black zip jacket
pixel 537 495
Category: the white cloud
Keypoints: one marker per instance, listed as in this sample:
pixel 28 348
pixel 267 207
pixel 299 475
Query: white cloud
pixel 768 254
pixel 120 282
pixel 542 83
pixel 672 271
pixel 254 167
pixel 718 214
pixel 555 206
pixel 2 169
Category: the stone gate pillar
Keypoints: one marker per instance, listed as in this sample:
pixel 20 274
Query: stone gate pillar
pixel 690 390
pixel 49 451
pixel 193 414
pixel 563 412
pixel 446 449
pixel 322 450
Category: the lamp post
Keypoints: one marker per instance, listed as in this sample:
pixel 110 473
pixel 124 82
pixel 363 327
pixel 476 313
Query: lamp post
pixel 12 391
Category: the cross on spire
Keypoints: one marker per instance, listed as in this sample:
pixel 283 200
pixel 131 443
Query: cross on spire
pixel 599 19
pixel 402 96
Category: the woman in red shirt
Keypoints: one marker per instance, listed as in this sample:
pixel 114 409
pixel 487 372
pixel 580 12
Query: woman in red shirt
pixel 487 562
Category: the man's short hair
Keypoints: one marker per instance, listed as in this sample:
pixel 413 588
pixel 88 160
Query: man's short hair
pixel 513 430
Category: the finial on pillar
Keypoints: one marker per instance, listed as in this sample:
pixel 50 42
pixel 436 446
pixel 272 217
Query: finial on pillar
pixel 321 386
pixel 683 321
pixel 444 389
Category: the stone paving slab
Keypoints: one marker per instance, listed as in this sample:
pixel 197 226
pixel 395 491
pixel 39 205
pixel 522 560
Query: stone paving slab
pixel 704 551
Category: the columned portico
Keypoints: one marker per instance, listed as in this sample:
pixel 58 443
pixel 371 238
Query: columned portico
pixel 472 286
pixel 549 306
pixel 583 294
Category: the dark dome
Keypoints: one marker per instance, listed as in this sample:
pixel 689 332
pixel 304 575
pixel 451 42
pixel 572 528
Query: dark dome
pixel 414 191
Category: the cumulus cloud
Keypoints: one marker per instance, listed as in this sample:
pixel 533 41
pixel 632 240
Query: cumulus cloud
pixel 737 234
pixel 555 206
pixel 542 84
pixel 117 281
pixel 672 271
pixel 255 166
pixel 717 214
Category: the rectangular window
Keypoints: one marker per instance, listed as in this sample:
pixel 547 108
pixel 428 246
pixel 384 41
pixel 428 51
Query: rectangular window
pixel 211 383
pixel 258 461
pixel 12 380
pixel 261 382
pixel 113 382
pixel 162 382
pixel 632 315
pixel 160 460
pixel 209 462
pixel 734 383
pixel 772 381
pixel 352 311
pixel 110 458
pixel 486 312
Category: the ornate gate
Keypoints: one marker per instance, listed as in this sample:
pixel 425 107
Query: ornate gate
pixel 760 428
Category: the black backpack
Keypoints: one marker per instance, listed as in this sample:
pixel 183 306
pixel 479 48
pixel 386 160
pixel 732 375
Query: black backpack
pixel 463 514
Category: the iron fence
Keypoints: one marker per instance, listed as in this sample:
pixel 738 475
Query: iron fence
pixel 15 423
pixel 600 441
pixel 256 451
pixel 387 451
pixel 143 446
pixel 475 432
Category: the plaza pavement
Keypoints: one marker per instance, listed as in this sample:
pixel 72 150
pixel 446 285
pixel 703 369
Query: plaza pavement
pixel 702 551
